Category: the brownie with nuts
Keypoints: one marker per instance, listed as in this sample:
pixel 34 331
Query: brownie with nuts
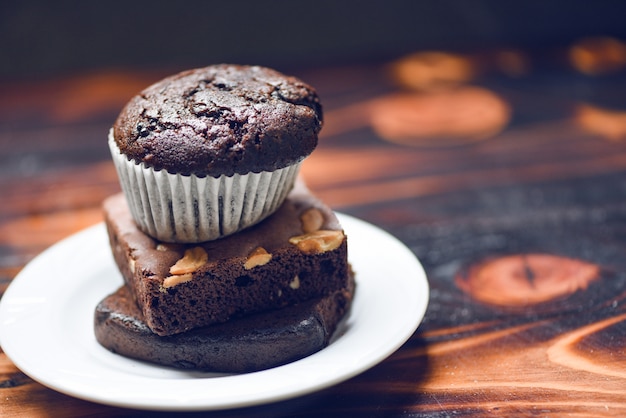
pixel 297 254
pixel 247 344
pixel 221 120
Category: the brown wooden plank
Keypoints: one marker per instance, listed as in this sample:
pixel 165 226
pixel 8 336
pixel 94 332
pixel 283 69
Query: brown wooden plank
pixel 545 188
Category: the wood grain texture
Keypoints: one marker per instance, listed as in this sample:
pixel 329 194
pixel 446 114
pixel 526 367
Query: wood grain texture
pixel 522 234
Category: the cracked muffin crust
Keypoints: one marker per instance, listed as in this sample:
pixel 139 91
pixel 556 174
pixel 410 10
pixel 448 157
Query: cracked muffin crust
pixel 221 120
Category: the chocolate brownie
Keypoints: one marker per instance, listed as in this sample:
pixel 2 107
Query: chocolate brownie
pixel 296 254
pixel 252 343
pixel 220 120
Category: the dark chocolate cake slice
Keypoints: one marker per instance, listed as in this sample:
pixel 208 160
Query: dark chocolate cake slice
pixel 252 343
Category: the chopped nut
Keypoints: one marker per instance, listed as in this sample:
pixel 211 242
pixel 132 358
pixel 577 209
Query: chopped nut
pixel 162 247
pixel 295 283
pixel 131 265
pixel 258 257
pixel 172 281
pixel 318 241
pixel 193 259
pixel 312 220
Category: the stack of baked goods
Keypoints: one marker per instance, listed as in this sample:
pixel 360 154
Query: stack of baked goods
pixel 230 264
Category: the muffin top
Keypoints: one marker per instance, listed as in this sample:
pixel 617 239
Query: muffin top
pixel 221 120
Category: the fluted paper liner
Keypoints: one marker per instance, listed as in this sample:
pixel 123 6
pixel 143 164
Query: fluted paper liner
pixel 178 208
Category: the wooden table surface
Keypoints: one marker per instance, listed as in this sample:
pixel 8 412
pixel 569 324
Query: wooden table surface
pixel 504 171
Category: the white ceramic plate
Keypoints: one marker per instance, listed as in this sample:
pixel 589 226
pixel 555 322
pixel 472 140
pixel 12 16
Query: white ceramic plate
pixel 46 329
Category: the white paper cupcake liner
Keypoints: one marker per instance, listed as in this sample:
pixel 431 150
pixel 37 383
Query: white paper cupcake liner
pixel 178 208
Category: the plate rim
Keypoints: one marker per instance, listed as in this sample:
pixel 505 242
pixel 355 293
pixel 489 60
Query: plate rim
pixel 353 225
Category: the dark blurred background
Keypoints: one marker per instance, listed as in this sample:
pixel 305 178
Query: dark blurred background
pixel 67 67
pixel 43 38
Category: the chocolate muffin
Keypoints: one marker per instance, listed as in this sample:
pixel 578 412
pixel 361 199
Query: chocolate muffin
pixel 296 254
pixel 248 344
pixel 207 152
